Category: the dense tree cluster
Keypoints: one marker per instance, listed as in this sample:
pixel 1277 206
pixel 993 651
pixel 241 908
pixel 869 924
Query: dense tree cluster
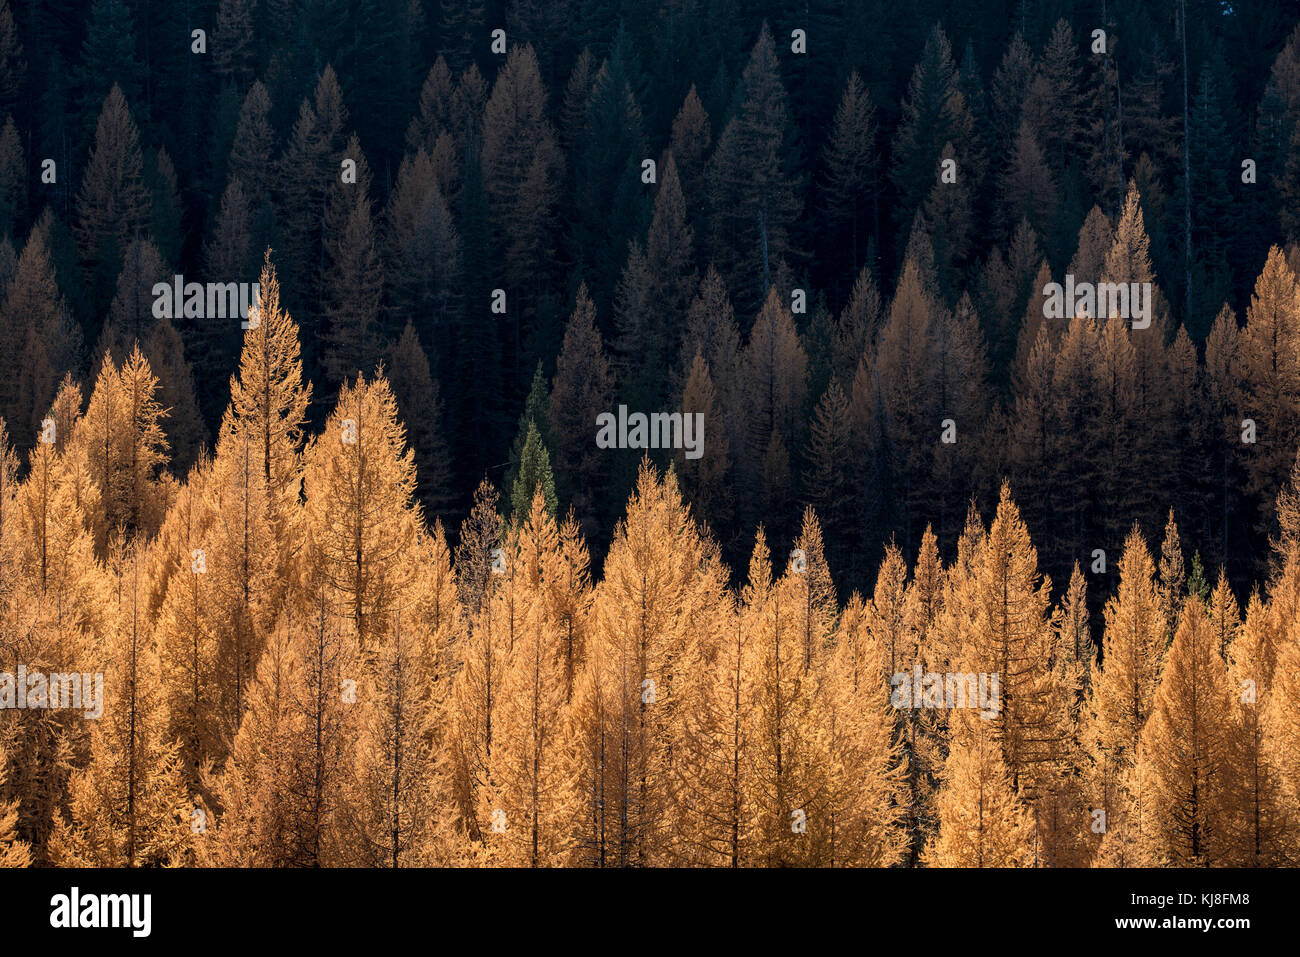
pixel 366 590
pixel 300 671
pixel 1105 141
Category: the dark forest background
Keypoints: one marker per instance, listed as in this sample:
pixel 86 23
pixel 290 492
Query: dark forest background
pixel 776 171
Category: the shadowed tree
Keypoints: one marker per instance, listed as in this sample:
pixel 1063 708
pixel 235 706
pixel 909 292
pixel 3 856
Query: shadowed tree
pixel 113 203
pixel 754 190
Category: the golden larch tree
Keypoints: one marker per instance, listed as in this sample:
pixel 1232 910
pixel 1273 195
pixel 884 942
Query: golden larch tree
pixel 861 821
pixel 784 756
pixel 359 517
pixel 714 813
pixel 128 806
pixel 1187 742
pixel 1014 638
pixel 529 790
pixel 982 822
pixel 1270 375
pixel 1260 817
pixel 1121 692
pixel 268 398
pixel 186 632
pixel 246 819
pixel 643 616
pixel 13 852
pixel 395 813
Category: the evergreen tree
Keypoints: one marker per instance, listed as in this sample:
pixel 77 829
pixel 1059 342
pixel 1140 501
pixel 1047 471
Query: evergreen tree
pixel 13 175
pixel 353 278
pixel 420 406
pixel 934 113
pixel 655 293
pixel 113 203
pixel 581 390
pixel 851 190
pixel 534 471
pixel 422 254
pixel 905 365
pixel 12 65
pixel 108 60
pixel 304 175
pixel 692 136
pixel 40 338
pixel 521 164
pixel 754 192
pixel 705 479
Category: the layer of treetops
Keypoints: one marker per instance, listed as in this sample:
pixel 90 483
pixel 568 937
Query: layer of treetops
pixel 299 670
